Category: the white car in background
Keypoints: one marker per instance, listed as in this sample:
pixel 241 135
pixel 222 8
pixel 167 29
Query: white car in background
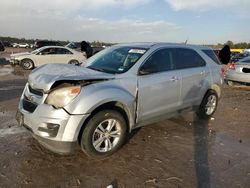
pixel 46 55
pixel 23 45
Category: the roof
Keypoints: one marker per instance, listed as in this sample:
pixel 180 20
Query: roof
pixel 44 47
pixel 161 44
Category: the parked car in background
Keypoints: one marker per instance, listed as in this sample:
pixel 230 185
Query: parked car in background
pixel 7 44
pixel 77 46
pixel 23 45
pixel 238 56
pixel 47 54
pixel 74 45
pixel 119 89
pixel 42 43
pixel 1 47
pixel 96 49
pixel 239 72
pixel 15 45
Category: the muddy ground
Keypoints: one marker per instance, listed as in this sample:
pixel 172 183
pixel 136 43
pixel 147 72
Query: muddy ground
pixel 181 152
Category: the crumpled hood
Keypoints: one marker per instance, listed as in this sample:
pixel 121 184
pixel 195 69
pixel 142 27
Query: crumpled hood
pixel 45 76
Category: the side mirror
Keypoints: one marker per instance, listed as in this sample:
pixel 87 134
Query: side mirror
pixel 144 71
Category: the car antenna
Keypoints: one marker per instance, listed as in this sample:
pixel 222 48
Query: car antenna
pixel 186 41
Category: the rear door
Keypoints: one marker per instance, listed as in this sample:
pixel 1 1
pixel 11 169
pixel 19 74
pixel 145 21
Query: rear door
pixel 158 87
pixel 194 73
pixel 62 55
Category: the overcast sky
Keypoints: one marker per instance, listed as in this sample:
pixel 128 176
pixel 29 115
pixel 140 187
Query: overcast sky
pixel 199 21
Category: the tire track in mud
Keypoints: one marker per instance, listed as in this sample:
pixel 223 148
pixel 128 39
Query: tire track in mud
pixel 11 88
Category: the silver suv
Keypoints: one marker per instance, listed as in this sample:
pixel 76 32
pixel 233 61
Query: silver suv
pixel 119 89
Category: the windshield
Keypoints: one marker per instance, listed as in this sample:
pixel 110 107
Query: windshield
pixel 115 60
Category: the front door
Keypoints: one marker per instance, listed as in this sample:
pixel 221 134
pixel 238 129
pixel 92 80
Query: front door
pixel 158 87
pixel 45 56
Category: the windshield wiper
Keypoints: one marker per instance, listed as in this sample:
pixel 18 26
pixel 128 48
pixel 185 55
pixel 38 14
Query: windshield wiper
pixel 97 69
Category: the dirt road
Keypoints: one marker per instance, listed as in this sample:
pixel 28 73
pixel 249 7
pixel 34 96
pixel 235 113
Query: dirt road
pixel 180 152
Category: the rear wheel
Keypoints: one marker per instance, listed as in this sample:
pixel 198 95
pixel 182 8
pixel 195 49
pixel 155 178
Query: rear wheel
pixel 104 134
pixel 208 105
pixel 27 64
pixel 74 62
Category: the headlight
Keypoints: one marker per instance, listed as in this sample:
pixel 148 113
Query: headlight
pixel 61 97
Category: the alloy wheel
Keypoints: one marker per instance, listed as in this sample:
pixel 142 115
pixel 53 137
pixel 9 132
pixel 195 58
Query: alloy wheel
pixel 106 135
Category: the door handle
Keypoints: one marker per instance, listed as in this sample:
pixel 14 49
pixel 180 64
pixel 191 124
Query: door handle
pixel 174 78
pixel 202 72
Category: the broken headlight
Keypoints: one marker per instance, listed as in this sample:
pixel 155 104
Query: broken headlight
pixel 63 96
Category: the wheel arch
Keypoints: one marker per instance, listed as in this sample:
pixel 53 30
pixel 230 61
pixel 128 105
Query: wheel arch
pixel 111 105
pixel 216 89
pixel 26 58
pixel 72 60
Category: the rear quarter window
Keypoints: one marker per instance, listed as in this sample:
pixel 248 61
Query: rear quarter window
pixel 211 54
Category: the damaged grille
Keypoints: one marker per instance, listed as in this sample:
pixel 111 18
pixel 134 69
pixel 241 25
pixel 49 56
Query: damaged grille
pixel 28 105
pixel 32 97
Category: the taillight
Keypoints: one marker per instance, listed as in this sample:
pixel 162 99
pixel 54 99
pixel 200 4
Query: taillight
pixel 222 72
pixel 232 66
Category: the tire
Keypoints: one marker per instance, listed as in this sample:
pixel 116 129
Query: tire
pixel 27 64
pixel 96 140
pixel 74 62
pixel 208 105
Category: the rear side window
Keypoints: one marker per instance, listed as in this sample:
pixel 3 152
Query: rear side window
pixel 48 51
pixel 187 58
pixel 211 54
pixel 62 51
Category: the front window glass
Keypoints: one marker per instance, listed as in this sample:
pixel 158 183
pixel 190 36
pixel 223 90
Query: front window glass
pixel 48 51
pixel 160 61
pixel 115 60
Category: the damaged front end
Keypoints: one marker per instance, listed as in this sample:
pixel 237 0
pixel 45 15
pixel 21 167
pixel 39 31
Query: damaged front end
pixel 41 110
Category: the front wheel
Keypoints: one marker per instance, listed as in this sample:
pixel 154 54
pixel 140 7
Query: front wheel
pixel 104 134
pixel 208 105
pixel 27 64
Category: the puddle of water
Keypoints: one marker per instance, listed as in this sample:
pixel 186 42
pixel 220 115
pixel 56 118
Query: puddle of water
pixel 6 70
pixel 12 130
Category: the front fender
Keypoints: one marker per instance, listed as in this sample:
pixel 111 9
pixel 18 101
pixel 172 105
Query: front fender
pixel 92 96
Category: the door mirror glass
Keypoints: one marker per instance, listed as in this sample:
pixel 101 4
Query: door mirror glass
pixel 145 71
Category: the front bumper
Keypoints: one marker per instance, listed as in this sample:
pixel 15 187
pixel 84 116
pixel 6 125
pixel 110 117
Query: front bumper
pixel 55 129
pixel 14 62
pixel 237 77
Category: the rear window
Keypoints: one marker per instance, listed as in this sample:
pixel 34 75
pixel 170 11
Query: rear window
pixel 212 55
pixel 245 60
